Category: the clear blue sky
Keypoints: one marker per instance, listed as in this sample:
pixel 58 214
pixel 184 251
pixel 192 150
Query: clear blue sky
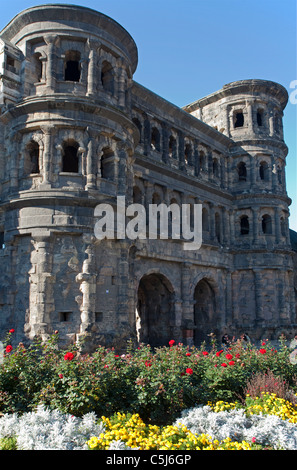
pixel 190 48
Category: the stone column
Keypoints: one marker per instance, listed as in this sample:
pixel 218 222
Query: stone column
pixel 271 122
pixel 274 176
pixel 52 41
pixel 165 144
pixel 14 162
pixel 196 158
pixel 41 282
pixel 255 225
pixel 181 151
pixel 259 288
pixel 187 306
pixel 232 226
pixel 122 84
pixel 212 221
pixel 87 280
pixel 250 115
pixel 121 169
pixel 48 132
pixel 91 164
pixel 123 300
pixel 277 217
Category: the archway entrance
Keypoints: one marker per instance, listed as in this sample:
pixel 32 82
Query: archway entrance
pixel 204 312
pixel 155 310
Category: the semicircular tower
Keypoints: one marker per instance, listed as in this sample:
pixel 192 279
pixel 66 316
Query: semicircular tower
pixel 250 112
pixel 67 140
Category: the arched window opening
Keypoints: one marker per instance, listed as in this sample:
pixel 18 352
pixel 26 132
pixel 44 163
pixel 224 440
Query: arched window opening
pixel 139 127
pixel 172 147
pixel 188 154
pixel 218 227
pixel 72 66
pixel 260 117
pixel 201 161
pixel 242 173
pixel 155 139
pixel 37 68
pixel 267 224
pixel 2 244
pixel 277 123
pixel 155 310
pixel 205 222
pixel 204 312
pixel 279 175
pixel 263 171
pixel 107 164
pixel 283 227
pixel 32 157
pixel 215 168
pixel 244 225
pixel 107 77
pixel 239 119
pixel 137 195
pixel 156 198
pixel 70 157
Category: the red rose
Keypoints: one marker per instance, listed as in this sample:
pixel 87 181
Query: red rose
pixel 219 353
pixel 224 364
pixel 171 342
pixel 189 371
pixel 148 364
pixel 229 356
pixel 205 353
pixel 231 363
pixel 69 356
pixel 188 354
pixel 11 331
pixel 61 376
pixel 8 348
pixel 262 351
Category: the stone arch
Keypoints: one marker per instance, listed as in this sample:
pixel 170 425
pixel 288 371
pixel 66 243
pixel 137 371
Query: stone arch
pixel 70 160
pixel 72 66
pixel 32 148
pixel 205 319
pixel 155 309
pixel 108 77
pixel 203 328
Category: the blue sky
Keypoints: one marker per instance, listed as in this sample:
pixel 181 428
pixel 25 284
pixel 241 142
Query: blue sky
pixel 190 48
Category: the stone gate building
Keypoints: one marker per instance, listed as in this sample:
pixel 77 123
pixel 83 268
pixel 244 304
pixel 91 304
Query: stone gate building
pixel 77 131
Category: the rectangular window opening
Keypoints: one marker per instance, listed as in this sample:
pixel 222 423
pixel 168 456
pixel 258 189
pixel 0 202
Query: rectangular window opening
pixel 65 316
pixel 98 317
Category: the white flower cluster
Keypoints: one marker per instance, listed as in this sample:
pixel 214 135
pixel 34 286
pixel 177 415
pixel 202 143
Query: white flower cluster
pixel 44 429
pixel 265 429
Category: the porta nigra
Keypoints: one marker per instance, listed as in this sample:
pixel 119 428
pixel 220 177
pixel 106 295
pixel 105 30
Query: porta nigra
pixel 76 131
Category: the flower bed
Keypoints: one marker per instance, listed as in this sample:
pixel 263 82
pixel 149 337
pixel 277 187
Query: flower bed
pixel 157 386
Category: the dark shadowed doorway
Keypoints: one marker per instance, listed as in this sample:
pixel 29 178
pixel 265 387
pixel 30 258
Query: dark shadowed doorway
pixel 204 312
pixel 155 310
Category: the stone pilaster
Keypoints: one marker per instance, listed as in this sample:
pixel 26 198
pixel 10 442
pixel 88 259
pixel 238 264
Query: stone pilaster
pixel 87 280
pixel 41 280
pixel 52 41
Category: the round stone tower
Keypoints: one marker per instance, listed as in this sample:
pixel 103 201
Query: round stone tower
pixel 250 113
pixel 67 141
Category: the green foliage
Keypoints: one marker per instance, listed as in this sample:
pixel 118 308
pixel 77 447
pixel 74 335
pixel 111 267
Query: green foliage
pixel 157 384
pixel 8 443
